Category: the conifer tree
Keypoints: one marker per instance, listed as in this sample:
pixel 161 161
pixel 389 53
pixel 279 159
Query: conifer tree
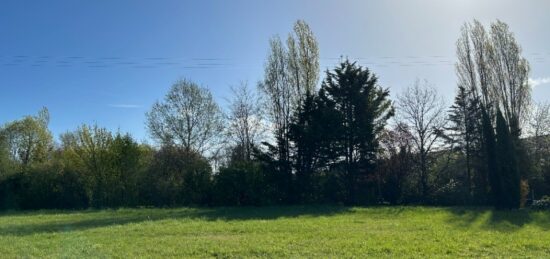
pixel 489 157
pixel 361 109
pixel 465 131
pixel 508 174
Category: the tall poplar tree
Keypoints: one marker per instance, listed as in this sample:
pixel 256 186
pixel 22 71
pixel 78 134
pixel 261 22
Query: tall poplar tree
pixel 291 73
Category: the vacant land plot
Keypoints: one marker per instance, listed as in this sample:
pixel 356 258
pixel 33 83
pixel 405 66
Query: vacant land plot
pixel 309 231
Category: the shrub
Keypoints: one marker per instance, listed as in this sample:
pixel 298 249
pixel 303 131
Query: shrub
pixel 334 190
pixel 178 177
pixel 44 188
pixel 10 187
pixel 542 204
pixel 451 193
pixel 241 183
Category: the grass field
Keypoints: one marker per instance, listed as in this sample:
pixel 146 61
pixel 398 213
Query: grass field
pixel 307 231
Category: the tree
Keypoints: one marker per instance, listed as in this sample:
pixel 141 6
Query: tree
pixel 6 164
pixel 465 131
pixel 472 68
pixel 423 111
pixel 311 135
pixel 303 62
pixel 126 165
pixel 178 177
pixel 110 165
pixel 395 163
pixel 490 155
pixel 290 72
pixel 539 128
pixel 29 140
pixel 491 67
pixel 188 117
pixel 507 175
pixel 245 121
pixel 278 96
pixel 86 150
pixel 510 75
pixel 240 183
pixel 362 109
pixel 538 142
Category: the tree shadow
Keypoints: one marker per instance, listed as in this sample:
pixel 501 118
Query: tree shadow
pixel 44 222
pixel 498 220
pixel 90 219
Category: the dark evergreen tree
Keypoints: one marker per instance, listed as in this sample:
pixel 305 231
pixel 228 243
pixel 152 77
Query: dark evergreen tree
pixel 280 177
pixel 490 158
pixel 361 109
pixel 313 137
pixel 465 136
pixel 508 173
pixel 305 135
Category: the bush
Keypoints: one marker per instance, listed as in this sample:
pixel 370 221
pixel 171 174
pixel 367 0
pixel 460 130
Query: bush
pixel 10 187
pixel 45 188
pixel 542 204
pixel 451 193
pixel 241 183
pixel 177 177
pixel 333 184
pixel 52 189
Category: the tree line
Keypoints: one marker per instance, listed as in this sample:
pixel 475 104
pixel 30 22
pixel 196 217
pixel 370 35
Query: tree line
pixel 295 140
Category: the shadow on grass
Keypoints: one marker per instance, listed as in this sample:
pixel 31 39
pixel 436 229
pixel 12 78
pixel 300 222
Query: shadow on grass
pixel 43 222
pixel 498 220
pixel 59 221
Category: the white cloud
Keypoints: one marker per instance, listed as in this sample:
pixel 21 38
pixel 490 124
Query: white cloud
pixel 534 82
pixel 125 106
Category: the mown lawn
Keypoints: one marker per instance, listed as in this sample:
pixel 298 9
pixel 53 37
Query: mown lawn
pixel 309 231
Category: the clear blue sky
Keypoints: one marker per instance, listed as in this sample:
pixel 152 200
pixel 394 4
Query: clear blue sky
pixel 106 62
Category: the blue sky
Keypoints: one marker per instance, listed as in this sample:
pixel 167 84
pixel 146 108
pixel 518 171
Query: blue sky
pixel 106 62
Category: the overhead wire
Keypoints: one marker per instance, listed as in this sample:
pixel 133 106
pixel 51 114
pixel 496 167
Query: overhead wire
pixel 21 60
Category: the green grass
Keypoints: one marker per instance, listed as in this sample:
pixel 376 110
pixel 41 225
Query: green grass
pixel 309 231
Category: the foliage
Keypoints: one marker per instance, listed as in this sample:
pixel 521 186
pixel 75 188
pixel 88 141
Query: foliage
pixel 28 140
pixel 311 145
pixel 240 183
pixel 291 74
pixel 537 147
pixel 359 108
pixel 542 204
pixel 507 174
pixel 328 145
pixel 465 136
pixel 303 61
pixel 7 165
pixel 178 177
pixel 396 164
pixel 491 67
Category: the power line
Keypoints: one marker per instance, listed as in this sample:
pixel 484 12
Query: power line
pixel 221 63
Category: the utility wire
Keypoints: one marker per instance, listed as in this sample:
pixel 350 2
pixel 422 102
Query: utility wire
pixel 221 63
